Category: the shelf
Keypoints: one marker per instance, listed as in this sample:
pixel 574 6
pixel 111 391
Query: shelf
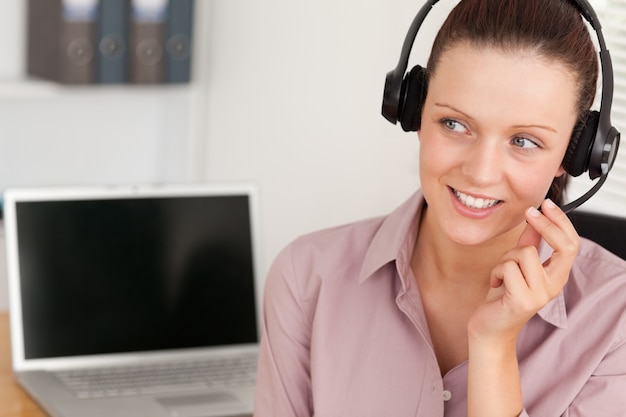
pixel 31 88
pixel 27 89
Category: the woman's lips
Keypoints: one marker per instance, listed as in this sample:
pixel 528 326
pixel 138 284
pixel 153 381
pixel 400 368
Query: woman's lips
pixel 476 203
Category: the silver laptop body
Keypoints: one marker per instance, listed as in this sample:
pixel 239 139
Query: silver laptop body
pixel 134 300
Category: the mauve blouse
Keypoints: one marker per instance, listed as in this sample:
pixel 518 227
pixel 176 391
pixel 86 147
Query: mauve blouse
pixel 345 333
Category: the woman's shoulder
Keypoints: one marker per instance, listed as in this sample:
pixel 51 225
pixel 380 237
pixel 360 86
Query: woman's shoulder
pixel 595 260
pixel 331 247
pixel 334 255
pixel 345 256
pixel 597 283
pixel 345 234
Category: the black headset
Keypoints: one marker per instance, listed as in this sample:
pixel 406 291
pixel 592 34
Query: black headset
pixel 594 142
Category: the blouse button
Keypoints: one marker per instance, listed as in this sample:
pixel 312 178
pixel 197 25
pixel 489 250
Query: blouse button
pixel 447 395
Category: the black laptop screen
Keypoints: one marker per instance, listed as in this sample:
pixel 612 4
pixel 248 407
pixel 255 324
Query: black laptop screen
pixel 128 275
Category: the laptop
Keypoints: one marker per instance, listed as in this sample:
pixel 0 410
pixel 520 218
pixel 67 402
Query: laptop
pixel 134 300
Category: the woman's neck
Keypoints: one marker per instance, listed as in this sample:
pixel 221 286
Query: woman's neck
pixel 438 260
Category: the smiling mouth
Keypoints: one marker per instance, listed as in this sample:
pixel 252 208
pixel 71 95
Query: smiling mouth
pixel 473 202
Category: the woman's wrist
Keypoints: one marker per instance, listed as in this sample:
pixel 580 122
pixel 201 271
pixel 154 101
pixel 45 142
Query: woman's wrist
pixel 494 387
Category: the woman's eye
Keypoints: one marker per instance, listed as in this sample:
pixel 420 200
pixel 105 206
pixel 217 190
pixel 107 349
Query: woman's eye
pixel 453 125
pixel 525 143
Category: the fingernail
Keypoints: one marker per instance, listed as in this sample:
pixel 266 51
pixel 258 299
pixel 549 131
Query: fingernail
pixel 550 204
pixel 534 212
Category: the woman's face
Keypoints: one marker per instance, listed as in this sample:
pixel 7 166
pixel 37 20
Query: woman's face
pixel 495 127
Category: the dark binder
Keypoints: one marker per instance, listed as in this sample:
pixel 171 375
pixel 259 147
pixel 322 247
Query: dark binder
pixel 78 43
pixel 113 28
pixel 43 28
pixel 178 43
pixel 61 41
pixel 147 42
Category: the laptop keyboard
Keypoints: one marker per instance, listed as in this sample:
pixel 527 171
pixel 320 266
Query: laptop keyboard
pixel 161 377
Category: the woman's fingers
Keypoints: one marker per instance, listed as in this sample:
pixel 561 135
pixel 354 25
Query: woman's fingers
pixel 557 230
pixel 523 277
pixel 526 284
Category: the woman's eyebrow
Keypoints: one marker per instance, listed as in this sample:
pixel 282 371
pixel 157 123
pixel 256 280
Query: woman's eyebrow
pixel 448 106
pixel 522 126
pixel 549 128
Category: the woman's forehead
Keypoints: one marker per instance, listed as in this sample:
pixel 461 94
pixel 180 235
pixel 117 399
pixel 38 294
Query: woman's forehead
pixel 525 63
pixel 494 83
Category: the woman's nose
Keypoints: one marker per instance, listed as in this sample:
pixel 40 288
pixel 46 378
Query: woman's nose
pixel 484 162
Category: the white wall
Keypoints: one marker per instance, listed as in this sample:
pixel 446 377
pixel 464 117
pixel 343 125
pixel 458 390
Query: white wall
pixel 294 92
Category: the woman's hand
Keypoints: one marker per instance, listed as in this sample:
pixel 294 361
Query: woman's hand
pixel 520 284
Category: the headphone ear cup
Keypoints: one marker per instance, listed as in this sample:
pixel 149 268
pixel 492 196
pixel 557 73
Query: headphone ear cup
pixel 392 96
pixel 576 159
pixel 413 96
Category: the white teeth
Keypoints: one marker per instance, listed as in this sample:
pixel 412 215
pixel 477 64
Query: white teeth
pixel 475 203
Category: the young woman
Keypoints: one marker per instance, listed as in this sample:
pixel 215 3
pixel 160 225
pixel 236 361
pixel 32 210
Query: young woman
pixel 466 300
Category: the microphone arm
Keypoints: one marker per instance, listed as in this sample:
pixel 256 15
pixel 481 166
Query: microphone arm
pixel 571 206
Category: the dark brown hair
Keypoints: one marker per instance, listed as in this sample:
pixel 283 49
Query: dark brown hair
pixel 553 29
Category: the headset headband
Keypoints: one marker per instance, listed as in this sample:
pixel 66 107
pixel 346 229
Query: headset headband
pixel 585 10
